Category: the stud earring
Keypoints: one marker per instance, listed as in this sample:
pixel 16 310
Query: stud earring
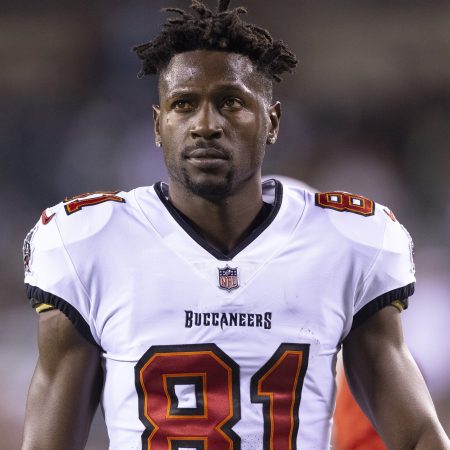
pixel 271 140
pixel 158 143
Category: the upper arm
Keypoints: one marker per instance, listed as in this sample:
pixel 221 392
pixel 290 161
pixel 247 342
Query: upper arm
pixel 389 386
pixel 65 388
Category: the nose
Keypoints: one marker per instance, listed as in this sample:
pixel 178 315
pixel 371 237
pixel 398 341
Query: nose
pixel 206 123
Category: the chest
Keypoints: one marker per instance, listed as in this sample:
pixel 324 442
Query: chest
pixel 146 293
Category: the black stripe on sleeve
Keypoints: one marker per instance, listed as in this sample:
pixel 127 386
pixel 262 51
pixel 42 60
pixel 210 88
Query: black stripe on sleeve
pixel 383 300
pixel 38 296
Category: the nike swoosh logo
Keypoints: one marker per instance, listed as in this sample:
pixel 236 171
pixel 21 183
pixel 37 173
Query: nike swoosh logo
pixel 46 219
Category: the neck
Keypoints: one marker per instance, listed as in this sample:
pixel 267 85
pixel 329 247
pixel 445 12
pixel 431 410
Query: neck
pixel 223 223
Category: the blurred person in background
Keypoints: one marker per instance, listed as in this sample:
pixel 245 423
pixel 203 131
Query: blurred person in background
pixel 48 217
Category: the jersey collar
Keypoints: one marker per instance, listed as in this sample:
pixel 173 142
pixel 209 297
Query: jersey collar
pixel 272 194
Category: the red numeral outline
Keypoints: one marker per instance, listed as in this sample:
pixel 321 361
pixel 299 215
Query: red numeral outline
pixel 77 203
pixel 344 201
pixel 215 377
pixel 278 386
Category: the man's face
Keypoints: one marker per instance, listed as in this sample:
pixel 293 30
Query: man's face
pixel 214 121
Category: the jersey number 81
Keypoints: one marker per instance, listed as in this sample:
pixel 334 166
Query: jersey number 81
pixel 204 419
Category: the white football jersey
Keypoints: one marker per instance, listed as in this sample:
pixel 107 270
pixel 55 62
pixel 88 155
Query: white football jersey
pixel 203 350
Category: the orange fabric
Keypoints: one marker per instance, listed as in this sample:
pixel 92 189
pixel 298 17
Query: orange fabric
pixel 352 429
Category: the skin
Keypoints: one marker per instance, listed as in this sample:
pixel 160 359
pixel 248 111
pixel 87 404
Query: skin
pixel 388 385
pixel 214 120
pixel 65 389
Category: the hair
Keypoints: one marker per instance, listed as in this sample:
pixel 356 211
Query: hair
pixel 222 30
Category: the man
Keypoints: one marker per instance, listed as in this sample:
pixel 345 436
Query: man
pixel 207 312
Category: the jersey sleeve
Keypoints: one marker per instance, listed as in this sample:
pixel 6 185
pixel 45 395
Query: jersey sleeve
pixel 50 277
pixel 391 277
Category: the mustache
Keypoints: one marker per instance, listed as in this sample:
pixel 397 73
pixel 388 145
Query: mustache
pixel 206 149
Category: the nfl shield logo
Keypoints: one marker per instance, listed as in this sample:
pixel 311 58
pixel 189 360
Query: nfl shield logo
pixel 228 278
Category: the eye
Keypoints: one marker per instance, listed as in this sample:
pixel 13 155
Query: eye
pixel 182 105
pixel 232 103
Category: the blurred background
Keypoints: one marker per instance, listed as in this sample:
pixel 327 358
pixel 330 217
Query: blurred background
pixel 367 111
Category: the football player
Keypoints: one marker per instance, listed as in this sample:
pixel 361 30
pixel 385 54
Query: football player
pixel 207 312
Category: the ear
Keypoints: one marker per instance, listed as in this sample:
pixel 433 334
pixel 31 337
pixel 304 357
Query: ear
pixel 274 117
pixel 156 114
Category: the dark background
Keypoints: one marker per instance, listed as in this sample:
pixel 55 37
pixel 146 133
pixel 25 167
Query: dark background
pixel 367 111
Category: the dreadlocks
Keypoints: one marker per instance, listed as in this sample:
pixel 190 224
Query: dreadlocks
pixel 222 30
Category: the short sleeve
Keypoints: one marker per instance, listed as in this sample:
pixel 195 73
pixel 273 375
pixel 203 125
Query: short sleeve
pixel 50 277
pixel 391 276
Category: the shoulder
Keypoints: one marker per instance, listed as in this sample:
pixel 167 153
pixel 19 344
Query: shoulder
pixel 358 219
pixel 83 216
pixel 64 218
pixel 80 220
pixel 355 226
pixel 366 238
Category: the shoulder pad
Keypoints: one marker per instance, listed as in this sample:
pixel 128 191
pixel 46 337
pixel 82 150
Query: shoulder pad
pixel 361 219
pixel 84 215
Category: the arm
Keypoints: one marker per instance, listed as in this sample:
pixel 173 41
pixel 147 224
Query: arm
pixel 65 389
pixel 352 429
pixel 388 385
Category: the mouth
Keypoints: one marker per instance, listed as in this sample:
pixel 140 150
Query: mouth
pixel 207 158
pixel 207 153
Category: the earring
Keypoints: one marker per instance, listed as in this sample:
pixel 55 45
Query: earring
pixel 158 143
pixel 271 140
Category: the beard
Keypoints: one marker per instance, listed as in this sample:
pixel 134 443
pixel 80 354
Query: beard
pixel 209 186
